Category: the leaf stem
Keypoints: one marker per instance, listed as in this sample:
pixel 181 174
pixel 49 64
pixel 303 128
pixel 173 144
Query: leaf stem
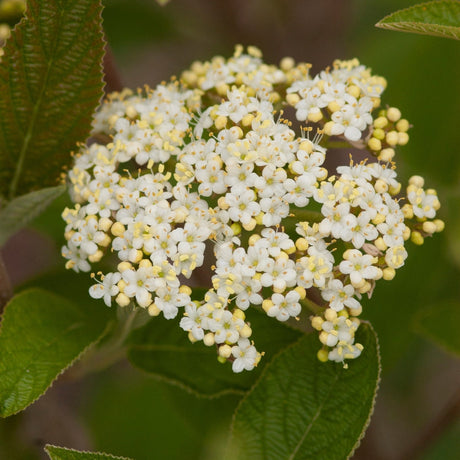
pixel 112 349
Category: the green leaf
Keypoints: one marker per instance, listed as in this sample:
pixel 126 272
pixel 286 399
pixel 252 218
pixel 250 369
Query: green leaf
pixel 41 335
pixel 50 85
pixel 304 409
pixel 438 18
pixel 163 350
pixel 61 453
pixel 439 323
pixel 22 210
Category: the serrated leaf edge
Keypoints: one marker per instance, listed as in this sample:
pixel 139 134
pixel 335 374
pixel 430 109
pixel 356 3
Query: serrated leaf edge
pixel 116 457
pixel 94 342
pixel 366 425
pixel 377 387
pixel 18 27
pixel 382 24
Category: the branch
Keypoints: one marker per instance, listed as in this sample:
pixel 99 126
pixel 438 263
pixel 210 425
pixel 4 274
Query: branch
pixel 435 429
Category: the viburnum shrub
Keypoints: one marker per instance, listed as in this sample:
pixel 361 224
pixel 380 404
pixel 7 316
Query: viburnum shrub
pixel 240 159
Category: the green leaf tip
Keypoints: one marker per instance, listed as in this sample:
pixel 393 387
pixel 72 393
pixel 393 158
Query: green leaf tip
pixel 63 453
pixel 303 409
pixel 41 335
pixel 50 84
pixel 23 209
pixel 436 18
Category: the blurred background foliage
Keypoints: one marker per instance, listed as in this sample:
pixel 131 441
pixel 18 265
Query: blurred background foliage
pixel 124 412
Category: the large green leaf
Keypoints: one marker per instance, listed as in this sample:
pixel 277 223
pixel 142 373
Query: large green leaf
pixel 22 210
pixel 41 335
pixel 439 18
pixel 304 409
pixel 439 323
pixel 61 453
pixel 50 85
pixel 162 349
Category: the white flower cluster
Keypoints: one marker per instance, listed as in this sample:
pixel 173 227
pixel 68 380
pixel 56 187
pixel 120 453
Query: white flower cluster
pixel 209 161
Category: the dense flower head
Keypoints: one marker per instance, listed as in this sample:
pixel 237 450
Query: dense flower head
pixel 211 161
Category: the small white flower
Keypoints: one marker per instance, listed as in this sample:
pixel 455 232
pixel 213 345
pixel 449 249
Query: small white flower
pixel 107 289
pixel 246 356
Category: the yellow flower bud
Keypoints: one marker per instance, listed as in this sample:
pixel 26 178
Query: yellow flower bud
pixel 153 310
pixel 122 266
pixel 322 355
pixel 287 63
pixel 104 224
pixel 406 233
pixel 292 99
pixel 402 125
pixel 253 239
pixel 386 154
pixel 389 273
pixel 225 351
pixel 408 211
pixel 381 186
pixel 220 122
pixel 393 114
pixel 328 127
pixel 208 339
pixel 122 300
pixel 330 314
pixel 354 91
pixel 236 228
pixel 315 116
pixel 118 229
pixel 245 331
pixel 417 238
pixel 403 138
pixel 379 134
pixel 301 291
pixel 334 106
pixel 356 311
pixel 392 138
pixel 380 122
pixel 96 257
pixel 380 244
pixel 439 225
pixel 317 322
pixel 267 304
pixel 374 144
pixel 418 181
pixel 429 227
pixel 249 226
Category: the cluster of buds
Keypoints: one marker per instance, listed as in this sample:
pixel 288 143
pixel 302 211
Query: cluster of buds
pixel 210 161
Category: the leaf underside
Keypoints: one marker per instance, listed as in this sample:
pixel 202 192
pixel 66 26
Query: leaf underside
pixel 41 334
pixel 437 18
pixel 50 85
pixel 304 409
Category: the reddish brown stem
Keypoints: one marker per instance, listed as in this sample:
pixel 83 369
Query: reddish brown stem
pixel 6 291
pixel 435 429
